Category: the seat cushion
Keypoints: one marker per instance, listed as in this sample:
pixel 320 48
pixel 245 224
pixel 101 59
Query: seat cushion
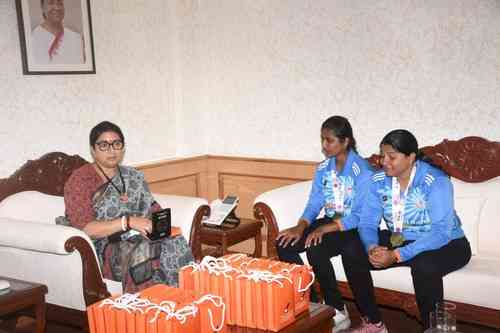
pixel 477 283
pixel 468 209
pixel 32 206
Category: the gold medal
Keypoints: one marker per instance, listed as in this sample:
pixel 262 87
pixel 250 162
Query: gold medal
pixel 397 239
pixel 336 216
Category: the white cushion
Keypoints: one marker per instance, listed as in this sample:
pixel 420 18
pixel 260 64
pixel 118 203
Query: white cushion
pixel 287 202
pixel 488 224
pixel 62 274
pixel 469 211
pixel 38 237
pixel 477 283
pixel 32 206
pixel 182 209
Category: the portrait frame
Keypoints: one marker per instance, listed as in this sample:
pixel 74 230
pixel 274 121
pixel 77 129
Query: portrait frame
pixel 70 52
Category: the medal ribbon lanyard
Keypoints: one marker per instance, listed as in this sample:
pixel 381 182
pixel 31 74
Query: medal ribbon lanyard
pixel 398 204
pixel 338 192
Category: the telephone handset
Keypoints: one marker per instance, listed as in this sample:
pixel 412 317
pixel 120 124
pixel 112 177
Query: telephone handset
pixel 220 210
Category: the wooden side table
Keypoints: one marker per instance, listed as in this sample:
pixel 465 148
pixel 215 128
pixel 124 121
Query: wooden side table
pixel 224 237
pixel 25 295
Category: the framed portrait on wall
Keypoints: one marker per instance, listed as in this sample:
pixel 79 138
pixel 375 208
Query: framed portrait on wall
pixel 56 36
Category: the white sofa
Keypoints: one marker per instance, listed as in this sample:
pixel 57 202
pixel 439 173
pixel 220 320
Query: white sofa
pixel 34 248
pixel 475 288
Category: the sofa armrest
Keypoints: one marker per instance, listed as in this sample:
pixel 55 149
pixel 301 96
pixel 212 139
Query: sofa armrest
pixel 187 213
pixel 40 237
pixel 57 240
pixel 287 203
pixel 281 208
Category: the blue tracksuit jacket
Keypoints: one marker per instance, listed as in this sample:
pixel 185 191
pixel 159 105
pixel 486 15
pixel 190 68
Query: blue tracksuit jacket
pixel 355 177
pixel 430 218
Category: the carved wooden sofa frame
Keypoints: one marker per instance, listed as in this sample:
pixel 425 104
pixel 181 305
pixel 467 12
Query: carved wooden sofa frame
pixel 470 159
pixel 48 174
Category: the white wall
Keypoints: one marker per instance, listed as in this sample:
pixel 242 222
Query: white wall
pixel 258 77
pixel 45 113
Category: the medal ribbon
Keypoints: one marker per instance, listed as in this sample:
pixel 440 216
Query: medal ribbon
pixel 338 192
pixel 398 203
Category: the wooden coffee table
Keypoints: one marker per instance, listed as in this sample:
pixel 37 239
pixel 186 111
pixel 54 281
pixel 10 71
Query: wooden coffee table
pixel 317 320
pixel 25 295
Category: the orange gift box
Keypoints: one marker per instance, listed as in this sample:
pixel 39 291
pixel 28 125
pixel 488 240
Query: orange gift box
pixel 158 309
pixel 302 278
pixel 105 318
pixel 161 293
pixel 92 320
pixel 216 284
pixel 216 276
pixel 279 296
pixel 186 319
pixel 249 303
pixel 101 317
pixel 194 312
pixel 258 293
pixel 261 311
pixel 176 299
pixel 187 276
pixel 236 302
pixel 212 312
pixel 237 261
pixel 257 282
pixel 230 297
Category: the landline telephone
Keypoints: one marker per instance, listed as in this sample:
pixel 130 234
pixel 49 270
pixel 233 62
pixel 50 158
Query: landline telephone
pixel 222 212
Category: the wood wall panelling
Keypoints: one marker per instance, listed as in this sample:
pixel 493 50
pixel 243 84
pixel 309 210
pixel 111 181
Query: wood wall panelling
pixel 213 177
pixel 249 177
pixel 185 176
pixel 247 188
pixel 186 185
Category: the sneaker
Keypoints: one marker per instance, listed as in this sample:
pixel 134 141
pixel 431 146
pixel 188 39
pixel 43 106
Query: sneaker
pixel 367 327
pixel 342 321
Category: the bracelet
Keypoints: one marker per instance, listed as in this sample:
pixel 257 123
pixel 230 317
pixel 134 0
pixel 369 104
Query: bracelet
pixel 128 222
pixel 123 220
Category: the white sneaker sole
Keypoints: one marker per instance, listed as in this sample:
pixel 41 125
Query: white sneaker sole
pixel 345 324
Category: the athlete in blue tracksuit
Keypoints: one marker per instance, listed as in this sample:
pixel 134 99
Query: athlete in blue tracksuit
pixel 339 185
pixel 354 176
pixel 430 218
pixel 416 197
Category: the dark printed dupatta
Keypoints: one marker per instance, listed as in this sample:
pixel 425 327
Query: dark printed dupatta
pixel 137 262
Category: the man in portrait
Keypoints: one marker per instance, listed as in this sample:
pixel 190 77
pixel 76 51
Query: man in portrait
pixel 51 41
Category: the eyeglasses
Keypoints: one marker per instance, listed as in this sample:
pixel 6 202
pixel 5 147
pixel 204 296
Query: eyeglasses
pixel 106 146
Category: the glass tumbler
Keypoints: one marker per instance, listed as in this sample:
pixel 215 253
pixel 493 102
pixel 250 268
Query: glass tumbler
pixel 443 318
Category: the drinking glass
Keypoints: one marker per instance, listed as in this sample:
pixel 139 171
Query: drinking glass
pixel 443 318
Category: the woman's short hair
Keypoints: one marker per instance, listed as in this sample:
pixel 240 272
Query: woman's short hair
pixel 102 127
pixel 403 141
pixel 341 128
